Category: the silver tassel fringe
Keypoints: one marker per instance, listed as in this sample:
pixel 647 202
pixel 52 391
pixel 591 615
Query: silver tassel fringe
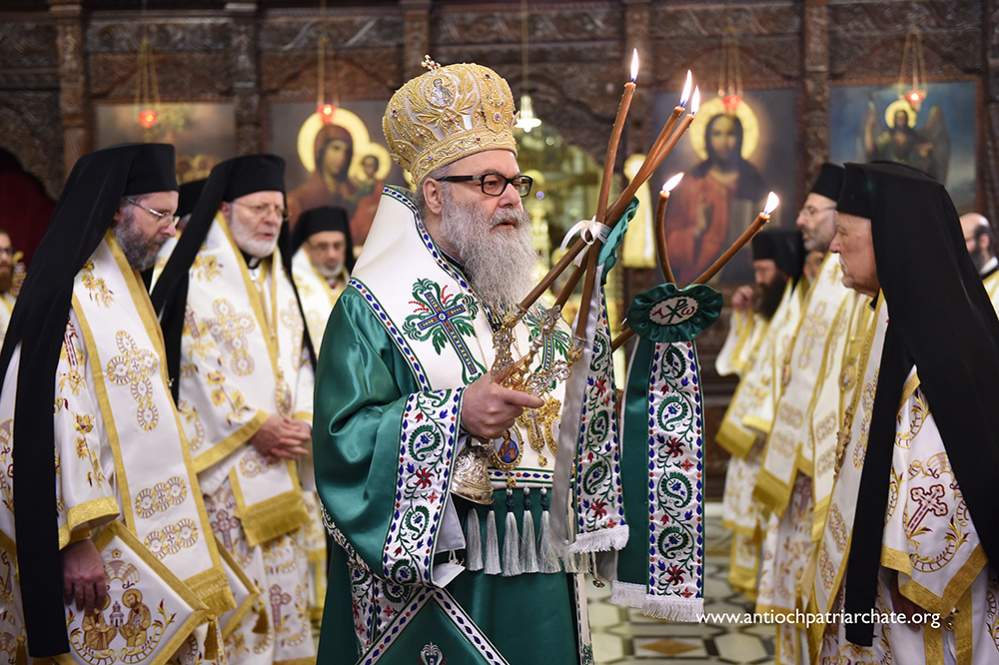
pixel 492 558
pixel 547 552
pixel 473 541
pixel 511 541
pixel 528 545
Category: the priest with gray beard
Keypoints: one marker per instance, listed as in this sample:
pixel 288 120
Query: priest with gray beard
pixel 429 559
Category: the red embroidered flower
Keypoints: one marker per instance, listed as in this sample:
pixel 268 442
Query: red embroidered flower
pixel 686 464
pixel 599 509
pixel 674 574
pixel 423 477
pixel 674 447
pixel 686 593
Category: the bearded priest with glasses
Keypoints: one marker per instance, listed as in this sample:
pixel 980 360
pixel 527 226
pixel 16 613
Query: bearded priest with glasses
pixel 240 361
pixel 427 564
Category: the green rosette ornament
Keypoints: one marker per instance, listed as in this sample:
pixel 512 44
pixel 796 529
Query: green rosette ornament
pixel 669 314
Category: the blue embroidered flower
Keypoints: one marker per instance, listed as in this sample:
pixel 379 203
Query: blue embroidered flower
pixel 668 314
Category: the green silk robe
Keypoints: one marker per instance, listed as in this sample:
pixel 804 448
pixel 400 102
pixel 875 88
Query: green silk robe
pixel 367 403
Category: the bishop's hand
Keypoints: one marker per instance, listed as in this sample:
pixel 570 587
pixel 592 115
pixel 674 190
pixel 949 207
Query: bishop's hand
pixel 282 438
pixel 488 409
pixel 83 576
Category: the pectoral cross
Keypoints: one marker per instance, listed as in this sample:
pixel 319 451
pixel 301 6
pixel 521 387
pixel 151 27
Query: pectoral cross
pixel 930 501
pixel 133 368
pixel 278 599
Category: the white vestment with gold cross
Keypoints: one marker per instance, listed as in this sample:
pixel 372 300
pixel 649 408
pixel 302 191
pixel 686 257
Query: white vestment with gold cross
pixel 931 554
pixel 242 361
pixel 125 479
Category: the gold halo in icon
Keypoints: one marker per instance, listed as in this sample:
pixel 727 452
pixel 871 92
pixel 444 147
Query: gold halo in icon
pixel 714 107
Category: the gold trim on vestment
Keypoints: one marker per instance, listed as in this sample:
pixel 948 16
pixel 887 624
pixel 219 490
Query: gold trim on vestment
pixel 200 615
pixel 243 609
pixel 963 633
pixel 759 424
pixel 734 439
pixel 209 585
pixel 296 661
pixel 771 492
pixel 230 444
pixel 273 517
pixel 958 584
pixel 933 645
pixel 81 517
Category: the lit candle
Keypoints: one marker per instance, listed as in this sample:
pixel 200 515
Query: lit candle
pixel 649 165
pixel 615 138
pixel 661 247
pixel 772 202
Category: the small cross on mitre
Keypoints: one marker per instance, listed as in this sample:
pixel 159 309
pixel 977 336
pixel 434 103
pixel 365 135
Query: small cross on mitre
pixel 429 64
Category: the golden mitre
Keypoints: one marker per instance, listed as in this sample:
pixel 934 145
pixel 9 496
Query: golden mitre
pixel 448 113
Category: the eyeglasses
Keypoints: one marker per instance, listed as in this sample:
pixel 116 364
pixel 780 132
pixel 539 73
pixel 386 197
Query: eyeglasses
pixel 810 211
pixel 494 184
pixel 163 217
pixel 261 209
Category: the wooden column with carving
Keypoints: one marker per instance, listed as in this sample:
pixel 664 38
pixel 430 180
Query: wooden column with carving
pixel 416 35
pixel 990 41
pixel 815 82
pixel 244 63
pixel 73 104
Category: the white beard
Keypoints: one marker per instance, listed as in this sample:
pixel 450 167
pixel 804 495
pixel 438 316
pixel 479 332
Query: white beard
pixel 243 236
pixel 499 265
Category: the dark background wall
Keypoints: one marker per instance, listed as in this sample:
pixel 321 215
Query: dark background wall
pixel 58 58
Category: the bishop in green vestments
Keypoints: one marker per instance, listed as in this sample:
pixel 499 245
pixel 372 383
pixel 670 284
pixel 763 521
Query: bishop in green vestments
pixel 419 574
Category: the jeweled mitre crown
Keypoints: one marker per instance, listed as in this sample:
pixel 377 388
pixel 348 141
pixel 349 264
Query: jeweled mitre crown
pixel 448 113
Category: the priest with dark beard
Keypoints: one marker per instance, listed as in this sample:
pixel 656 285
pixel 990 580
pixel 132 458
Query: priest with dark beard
pixel 428 563
pixel 102 480
pixel 778 264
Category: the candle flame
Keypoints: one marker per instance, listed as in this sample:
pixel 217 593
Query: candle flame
pixel 685 95
pixel 671 184
pixel 695 102
pixel 634 65
pixel 772 202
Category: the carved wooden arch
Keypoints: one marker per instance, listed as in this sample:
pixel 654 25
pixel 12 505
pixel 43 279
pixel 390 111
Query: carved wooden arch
pixel 18 139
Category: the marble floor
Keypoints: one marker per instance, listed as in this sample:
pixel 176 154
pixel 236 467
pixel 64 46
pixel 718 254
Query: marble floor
pixel 626 637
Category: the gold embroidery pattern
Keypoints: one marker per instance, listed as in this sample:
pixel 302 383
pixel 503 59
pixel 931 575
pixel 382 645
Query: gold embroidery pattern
pixel 7 450
pixel 928 499
pixel 903 439
pixel 134 368
pixel 291 318
pixel 172 538
pixel 838 527
pixel 160 497
pixel 230 328
pixel 124 629
pixel 206 268
pixel 254 464
pixel 73 377
pixel 96 286
pixel 195 429
pixel 84 425
pixel 992 609
pixel 867 408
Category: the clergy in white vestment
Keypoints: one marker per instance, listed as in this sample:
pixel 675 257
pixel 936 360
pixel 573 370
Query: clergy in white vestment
pixel 102 521
pixel 980 240
pixel 6 282
pixel 241 361
pixel 805 423
pixel 322 258
pixel 911 528
pixel 778 258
